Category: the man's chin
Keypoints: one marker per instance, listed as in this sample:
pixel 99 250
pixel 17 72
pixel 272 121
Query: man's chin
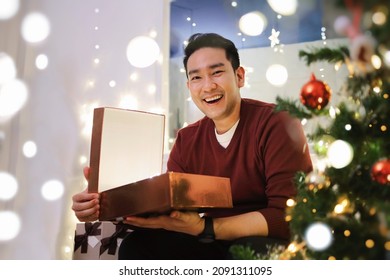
pixel 213 115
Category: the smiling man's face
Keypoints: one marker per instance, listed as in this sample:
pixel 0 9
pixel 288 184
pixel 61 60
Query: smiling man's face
pixel 213 83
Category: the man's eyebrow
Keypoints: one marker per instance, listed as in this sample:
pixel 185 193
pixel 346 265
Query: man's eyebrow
pixel 213 66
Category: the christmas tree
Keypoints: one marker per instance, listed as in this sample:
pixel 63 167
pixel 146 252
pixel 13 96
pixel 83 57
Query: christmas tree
pixel 342 209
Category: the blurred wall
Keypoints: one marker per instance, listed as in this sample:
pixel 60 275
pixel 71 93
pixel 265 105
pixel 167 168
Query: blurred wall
pixel 87 68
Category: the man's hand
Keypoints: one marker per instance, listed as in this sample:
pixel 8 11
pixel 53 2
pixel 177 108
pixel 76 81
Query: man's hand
pixel 185 222
pixel 86 205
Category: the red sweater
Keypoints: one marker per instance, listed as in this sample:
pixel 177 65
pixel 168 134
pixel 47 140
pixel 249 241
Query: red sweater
pixel 266 151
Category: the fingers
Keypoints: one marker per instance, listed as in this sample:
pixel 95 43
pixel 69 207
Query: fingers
pixel 87 215
pixel 84 196
pixel 87 211
pixel 86 206
pixel 186 222
pixel 153 222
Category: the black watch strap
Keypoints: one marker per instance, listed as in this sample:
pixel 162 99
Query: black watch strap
pixel 208 234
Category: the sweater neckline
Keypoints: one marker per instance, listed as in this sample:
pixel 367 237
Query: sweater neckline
pixel 236 133
pixel 224 139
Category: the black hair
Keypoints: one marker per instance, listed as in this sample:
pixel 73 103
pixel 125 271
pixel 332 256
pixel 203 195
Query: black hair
pixel 213 40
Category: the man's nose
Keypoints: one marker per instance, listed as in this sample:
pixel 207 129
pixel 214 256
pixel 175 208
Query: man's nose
pixel 209 84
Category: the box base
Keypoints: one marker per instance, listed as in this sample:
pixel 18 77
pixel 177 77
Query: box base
pixel 164 193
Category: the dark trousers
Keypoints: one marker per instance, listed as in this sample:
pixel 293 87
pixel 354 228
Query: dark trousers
pixel 145 244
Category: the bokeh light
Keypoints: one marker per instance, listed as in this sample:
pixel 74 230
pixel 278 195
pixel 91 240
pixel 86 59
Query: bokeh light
pixel 318 236
pixel 52 190
pixel 8 8
pixel 29 149
pixel 277 75
pixel 253 23
pixel 284 7
pixel 7 68
pixel 13 96
pixel 86 117
pixel 340 154
pixel 42 61
pixel 142 51
pixel 35 27
pixel 9 224
pixel 9 186
pixel 112 83
pixel 387 58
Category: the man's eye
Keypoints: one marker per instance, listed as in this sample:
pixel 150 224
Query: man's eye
pixel 217 72
pixel 195 78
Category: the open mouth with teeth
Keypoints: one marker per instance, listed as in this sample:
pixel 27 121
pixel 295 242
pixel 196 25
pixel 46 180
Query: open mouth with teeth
pixel 213 99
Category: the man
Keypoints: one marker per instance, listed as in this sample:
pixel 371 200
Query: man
pixel 259 149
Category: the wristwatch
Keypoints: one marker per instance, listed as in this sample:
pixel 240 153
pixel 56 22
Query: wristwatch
pixel 208 234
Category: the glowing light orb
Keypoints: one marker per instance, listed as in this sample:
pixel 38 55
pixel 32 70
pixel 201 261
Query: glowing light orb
pixel 340 154
pixel 8 8
pixel 112 83
pixel 379 18
pixel 52 190
pixel 29 149
pixel 9 224
pixel 35 27
pixel 318 236
pixel 253 23
pixel 142 51
pixel 7 68
pixel 277 75
pixel 42 61
pixel 134 77
pixel 387 58
pixel 284 7
pixel 9 186
pixel 13 96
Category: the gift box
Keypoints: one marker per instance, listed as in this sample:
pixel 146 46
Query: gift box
pixel 164 193
pixel 98 240
pixel 126 160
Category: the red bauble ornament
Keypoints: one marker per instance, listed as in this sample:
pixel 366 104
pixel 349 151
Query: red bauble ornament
pixel 315 94
pixel 380 171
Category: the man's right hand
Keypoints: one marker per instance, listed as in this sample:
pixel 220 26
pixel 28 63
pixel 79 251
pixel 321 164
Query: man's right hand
pixel 85 204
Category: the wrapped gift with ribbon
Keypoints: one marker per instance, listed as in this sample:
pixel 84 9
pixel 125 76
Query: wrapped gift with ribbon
pixel 98 240
pixel 110 245
pixel 82 240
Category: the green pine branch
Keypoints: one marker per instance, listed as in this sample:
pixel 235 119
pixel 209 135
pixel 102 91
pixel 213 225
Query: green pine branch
pixel 324 54
pixel 240 252
pixel 296 109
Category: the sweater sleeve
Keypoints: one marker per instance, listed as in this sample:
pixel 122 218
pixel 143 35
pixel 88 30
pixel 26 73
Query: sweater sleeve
pixel 284 149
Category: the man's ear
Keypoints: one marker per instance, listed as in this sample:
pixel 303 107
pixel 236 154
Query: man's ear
pixel 240 73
